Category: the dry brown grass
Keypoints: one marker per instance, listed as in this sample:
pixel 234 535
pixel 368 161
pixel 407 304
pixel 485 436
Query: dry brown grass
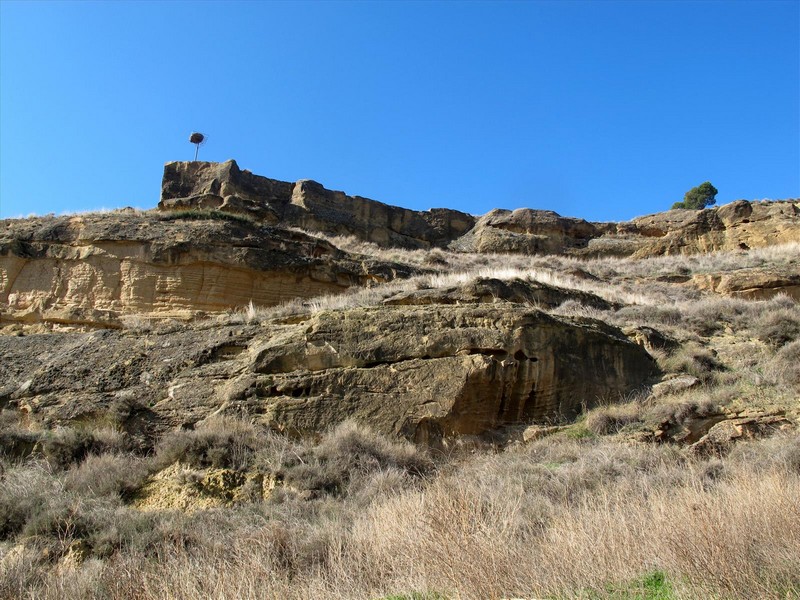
pixel 557 519
pixel 605 420
pixel 636 283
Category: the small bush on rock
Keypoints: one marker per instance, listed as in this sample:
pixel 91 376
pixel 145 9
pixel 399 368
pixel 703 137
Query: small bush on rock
pixel 786 364
pixel 106 475
pixel 65 446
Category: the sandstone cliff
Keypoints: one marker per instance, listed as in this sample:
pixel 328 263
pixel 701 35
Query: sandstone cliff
pixel 424 361
pixel 310 206
pixel 224 237
pixel 739 225
pixel 305 204
pixel 92 269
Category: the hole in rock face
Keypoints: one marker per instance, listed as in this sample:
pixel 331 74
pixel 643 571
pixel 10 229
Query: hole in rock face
pixel 520 355
pixel 499 352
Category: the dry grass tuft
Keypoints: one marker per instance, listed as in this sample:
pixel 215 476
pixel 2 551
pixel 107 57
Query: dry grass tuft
pixel 606 420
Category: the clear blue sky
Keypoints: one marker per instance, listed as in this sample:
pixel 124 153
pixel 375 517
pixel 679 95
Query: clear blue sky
pixel 603 110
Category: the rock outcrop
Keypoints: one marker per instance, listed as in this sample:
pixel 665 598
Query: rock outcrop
pixel 721 437
pixel 740 225
pixel 527 231
pixel 468 358
pixel 310 206
pixel 424 372
pixel 753 284
pixel 306 204
pixel 92 269
pixel 489 290
pixel 224 237
pixel 713 431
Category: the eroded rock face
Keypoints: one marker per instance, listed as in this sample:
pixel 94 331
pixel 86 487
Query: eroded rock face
pixel 753 284
pixel 92 269
pixel 422 371
pixel 527 231
pixel 720 439
pixel 309 205
pixel 739 225
pixel 305 204
pixel 502 364
pixel 225 187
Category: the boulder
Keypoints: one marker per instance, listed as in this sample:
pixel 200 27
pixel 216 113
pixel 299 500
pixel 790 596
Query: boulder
pixel 752 284
pixel 223 186
pixel 722 436
pixel 526 231
pixel 675 385
pixel 740 225
pixel 652 339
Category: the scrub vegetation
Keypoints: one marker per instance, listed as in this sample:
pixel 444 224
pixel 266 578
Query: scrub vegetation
pixel 620 504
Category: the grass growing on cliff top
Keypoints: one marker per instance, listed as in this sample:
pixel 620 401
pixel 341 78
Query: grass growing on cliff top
pixel 205 215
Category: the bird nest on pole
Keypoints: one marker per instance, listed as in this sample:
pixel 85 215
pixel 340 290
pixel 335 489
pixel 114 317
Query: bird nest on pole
pixel 198 139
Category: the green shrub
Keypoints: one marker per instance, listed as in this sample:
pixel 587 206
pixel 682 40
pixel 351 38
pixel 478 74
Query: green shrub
pixel 579 431
pixel 653 586
pixel 698 197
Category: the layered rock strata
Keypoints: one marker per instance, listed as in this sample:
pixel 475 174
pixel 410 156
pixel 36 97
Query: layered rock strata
pixel 93 269
pixel 740 225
